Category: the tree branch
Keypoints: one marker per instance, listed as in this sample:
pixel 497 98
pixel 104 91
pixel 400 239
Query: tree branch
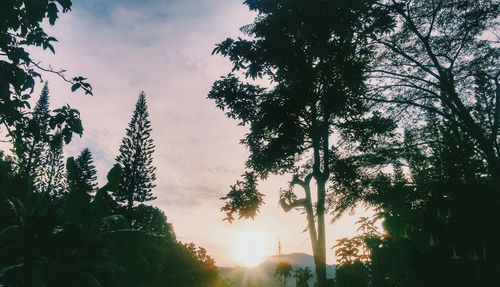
pixel 86 87
pixel 293 204
pixel 400 76
pixel 434 14
pixel 408 57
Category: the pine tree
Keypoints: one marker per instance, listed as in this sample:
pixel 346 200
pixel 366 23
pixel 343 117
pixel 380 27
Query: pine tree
pixel 32 144
pixel 53 180
pixel 41 111
pixel 81 173
pixel 86 164
pixel 39 152
pixel 136 158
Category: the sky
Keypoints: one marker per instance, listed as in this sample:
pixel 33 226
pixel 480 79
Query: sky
pixel 164 49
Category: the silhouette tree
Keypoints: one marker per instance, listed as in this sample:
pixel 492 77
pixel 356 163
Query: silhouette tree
pixel 432 61
pixel 53 179
pixel 437 206
pixel 313 57
pixel 302 276
pixel 347 250
pixel 283 272
pixel 151 220
pixel 21 28
pixel 70 239
pixel 32 136
pixel 353 254
pixel 351 275
pixel 86 165
pixel 136 158
pixel 81 174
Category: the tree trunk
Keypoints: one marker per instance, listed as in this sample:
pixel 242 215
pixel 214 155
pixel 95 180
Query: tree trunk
pixel 317 238
pixel 485 144
pixel 321 243
pixel 314 239
pixel 130 200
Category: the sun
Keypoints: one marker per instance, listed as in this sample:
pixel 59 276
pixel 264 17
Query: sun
pixel 250 248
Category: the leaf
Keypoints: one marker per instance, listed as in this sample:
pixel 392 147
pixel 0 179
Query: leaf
pixel 52 13
pixel 51 48
pixel 67 135
pixel 75 87
pixel 65 4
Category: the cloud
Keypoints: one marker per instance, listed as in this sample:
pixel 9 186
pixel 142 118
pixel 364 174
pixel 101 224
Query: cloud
pixel 164 48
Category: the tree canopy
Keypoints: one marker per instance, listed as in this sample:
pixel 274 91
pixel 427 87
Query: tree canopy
pixel 136 158
pixel 442 58
pixel 313 58
pixel 58 227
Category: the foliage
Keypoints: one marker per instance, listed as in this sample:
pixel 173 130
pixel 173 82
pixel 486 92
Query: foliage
pixel 31 147
pixel 82 240
pixel 353 255
pixel 302 276
pixel 151 220
pixel 136 158
pixel 438 218
pixel 244 198
pixel 436 73
pixel 54 181
pixel 312 58
pixel 351 275
pixel 442 57
pixel 48 243
pixel 283 272
pixel 89 173
pixel 58 228
pixel 21 28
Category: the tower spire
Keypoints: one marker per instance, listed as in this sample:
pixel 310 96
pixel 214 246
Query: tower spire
pixel 279 246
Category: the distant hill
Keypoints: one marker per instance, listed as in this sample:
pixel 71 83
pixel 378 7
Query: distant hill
pixel 263 274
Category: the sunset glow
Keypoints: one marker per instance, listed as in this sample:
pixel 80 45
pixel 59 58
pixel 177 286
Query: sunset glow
pixel 250 248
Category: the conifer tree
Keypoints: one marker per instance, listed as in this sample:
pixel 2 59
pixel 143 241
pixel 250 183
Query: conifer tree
pixel 81 173
pixel 53 177
pixel 40 153
pixel 32 143
pixel 86 164
pixel 41 112
pixel 136 158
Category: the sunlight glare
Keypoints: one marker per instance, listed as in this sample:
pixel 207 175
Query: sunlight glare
pixel 250 248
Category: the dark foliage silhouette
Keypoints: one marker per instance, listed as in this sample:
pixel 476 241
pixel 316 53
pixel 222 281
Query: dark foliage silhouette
pixel 354 254
pixel 136 158
pixel 21 28
pixel 283 272
pixel 302 276
pixel 86 164
pixel 438 217
pixel 313 57
pixel 443 58
pixel 58 228
pixel 392 104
